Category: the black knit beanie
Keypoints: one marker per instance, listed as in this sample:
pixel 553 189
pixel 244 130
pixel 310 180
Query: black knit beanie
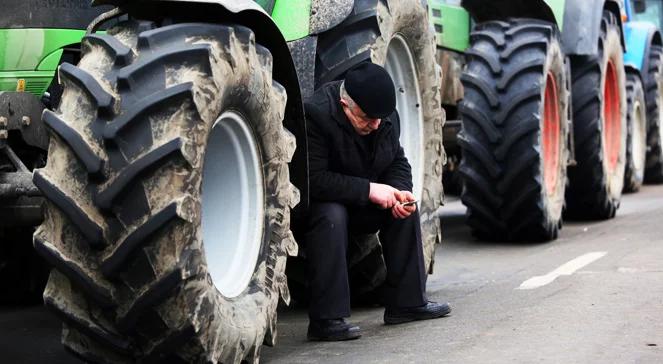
pixel 371 87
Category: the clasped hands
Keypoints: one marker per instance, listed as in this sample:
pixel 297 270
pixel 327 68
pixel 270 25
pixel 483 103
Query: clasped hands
pixel 387 197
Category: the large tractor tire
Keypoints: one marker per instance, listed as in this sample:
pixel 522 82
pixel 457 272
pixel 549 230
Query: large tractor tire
pixel 636 139
pixel 169 197
pixel 397 35
pixel 515 131
pixel 599 122
pixel 653 84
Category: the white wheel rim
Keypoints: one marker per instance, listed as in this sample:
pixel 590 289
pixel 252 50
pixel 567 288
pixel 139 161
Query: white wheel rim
pixel 400 65
pixel 233 204
pixel 639 139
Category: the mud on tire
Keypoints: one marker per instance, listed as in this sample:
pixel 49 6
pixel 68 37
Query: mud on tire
pixel 596 183
pixel 515 131
pixel 124 179
pixel 366 35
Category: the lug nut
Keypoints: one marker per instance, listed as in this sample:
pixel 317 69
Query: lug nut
pixel 3 134
pixel 3 122
pixel 26 120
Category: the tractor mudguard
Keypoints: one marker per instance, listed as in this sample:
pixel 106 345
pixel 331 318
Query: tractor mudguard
pixel 247 13
pixel 482 10
pixel 21 14
pixel 582 22
pixel 234 6
pixel 639 37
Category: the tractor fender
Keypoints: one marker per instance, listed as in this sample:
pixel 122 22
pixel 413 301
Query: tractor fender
pixel 582 25
pixel 249 14
pixel 639 36
pixel 234 6
pixel 482 10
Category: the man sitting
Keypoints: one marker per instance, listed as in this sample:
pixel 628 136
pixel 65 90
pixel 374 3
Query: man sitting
pixel 361 182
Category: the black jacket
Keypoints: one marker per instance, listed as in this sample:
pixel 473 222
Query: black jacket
pixel 340 167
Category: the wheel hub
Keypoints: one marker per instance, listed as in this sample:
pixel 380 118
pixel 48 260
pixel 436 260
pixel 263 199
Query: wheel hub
pixel 551 135
pixel 232 204
pixel 400 65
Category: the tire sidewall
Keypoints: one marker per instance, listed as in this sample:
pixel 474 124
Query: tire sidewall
pixel 409 20
pixel 613 52
pixel 555 64
pixel 251 93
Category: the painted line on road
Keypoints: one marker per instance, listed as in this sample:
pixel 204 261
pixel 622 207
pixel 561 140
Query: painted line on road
pixel 566 269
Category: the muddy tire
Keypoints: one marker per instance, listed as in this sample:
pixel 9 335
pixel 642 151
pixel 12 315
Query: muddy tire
pixel 396 34
pixel 515 131
pixel 599 121
pixel 636 139
pixel 152 120
pixel 653 85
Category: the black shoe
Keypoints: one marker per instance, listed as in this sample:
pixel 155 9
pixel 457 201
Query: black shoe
pixel 332 330
pixel 428 311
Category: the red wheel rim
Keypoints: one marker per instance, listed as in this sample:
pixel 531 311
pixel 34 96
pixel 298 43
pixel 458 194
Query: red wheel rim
pixel 612 117
pixel 551 131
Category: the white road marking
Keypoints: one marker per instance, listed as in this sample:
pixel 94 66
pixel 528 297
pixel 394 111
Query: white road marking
pixel 565 270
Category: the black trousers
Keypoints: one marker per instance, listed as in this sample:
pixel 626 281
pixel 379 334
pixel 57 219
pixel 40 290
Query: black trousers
pixel 326 245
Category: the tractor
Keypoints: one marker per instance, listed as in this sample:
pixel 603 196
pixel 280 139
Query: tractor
pixel 34 40
pixel 177 165
pixel 644 70
pixel 535 95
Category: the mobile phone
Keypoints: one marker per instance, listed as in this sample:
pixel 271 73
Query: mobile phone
pixel 409 203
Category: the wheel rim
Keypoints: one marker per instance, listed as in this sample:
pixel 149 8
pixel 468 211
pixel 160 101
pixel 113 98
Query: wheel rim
pixel 400 65
pixel 232 204
pixel 612 117
pixel 551 135
pixel 639 138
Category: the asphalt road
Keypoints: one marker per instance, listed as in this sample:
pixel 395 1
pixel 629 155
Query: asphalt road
pixel 593 296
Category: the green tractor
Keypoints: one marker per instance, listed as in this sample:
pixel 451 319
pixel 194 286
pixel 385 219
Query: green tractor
pixel 542 89
pixel 177 166
pixel 31 48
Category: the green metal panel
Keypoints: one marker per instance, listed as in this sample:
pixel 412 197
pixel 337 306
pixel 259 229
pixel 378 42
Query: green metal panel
pixel 30 57
pixel 24 49
pixel 51 61
pixel 557 7
pixel 451 23
pixel 292 17
pixel 34 82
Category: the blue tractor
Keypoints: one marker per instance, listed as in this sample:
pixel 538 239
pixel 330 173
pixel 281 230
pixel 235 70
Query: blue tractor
pixel 644 67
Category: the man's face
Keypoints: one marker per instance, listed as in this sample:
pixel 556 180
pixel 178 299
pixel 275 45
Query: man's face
pixel 362 124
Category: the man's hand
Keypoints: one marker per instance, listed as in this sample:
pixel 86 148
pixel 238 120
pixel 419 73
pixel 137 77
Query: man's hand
pixel 382 195
pixel 398 211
